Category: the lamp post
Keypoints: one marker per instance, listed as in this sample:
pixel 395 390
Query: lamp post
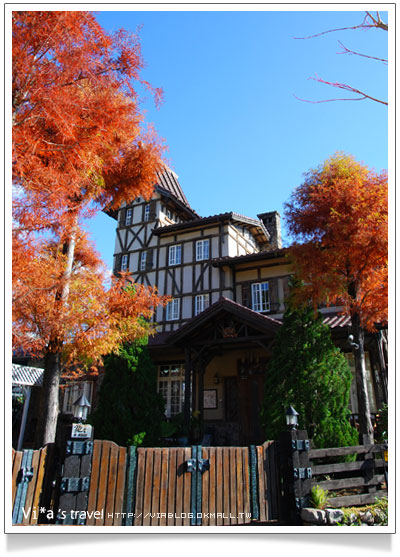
pixel 80 409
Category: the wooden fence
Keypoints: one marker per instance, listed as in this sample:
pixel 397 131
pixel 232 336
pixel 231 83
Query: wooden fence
pixel 351 483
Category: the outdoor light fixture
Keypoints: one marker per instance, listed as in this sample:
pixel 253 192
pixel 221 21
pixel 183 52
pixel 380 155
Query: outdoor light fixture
pixel 352 343
pixel 291 418
pixel 80 408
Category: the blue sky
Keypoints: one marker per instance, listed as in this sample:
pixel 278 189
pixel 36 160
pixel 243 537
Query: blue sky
pixel 237 136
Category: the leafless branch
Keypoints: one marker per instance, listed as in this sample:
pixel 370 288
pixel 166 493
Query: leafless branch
pixel 348 51
pixel 376 23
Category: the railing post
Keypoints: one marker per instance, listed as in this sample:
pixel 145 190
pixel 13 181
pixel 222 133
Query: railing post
pixel 75 478
pixel 296 473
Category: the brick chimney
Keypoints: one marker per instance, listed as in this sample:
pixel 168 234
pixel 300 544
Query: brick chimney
pixel 272 222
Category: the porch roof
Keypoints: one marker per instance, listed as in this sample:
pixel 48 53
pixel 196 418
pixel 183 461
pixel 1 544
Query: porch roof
pixel 266 325
pixel 28 376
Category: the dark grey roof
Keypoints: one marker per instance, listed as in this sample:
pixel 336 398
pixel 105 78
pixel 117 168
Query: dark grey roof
pixel 228 260
pixel 168 183
pixel 258 227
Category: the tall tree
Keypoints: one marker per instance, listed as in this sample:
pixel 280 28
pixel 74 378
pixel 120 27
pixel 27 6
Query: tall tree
pixel 339 214
pixel 79 144
pixel 307 371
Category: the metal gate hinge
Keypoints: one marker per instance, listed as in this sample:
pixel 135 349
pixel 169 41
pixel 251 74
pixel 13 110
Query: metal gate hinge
pixel 25 475
pixel 200 464
pixel 300 445
pixel 301 502
pixel 302 473
pixel 70 485
pixel 79 447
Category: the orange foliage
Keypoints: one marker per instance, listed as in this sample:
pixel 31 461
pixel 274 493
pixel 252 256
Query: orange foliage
pixel 79 143
pixel 340 215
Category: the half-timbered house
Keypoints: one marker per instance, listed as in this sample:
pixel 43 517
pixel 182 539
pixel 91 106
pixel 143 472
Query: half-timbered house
pixel 227 276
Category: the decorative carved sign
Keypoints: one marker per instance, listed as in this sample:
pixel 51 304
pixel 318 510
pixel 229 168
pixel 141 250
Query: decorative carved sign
pixel 229 332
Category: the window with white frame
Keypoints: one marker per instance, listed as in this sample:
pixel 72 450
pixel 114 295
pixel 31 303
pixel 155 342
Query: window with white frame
pixel 147 212
pixel 143 258
pixel 73 391
pixel 124 262
pixel 175 255
pixel 128 216
pixel 172 310
pixel 202 249
pixel 171 385
pixel 201 302
pixel 260 296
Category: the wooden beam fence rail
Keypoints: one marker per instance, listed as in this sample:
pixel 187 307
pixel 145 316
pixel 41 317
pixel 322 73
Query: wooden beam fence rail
pixel 353 483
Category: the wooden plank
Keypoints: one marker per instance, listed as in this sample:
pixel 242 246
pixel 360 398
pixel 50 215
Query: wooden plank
pixel 246 484
pixel 94 482
pixel 240 485
pixel 43 460
pixel 212 482
pixel 148 483
pixel 187 488
pixel 261 473
pixel 331 485
pixel 102 485
pixel 16 468
pixel 356 500
pixel 274 481
pixel 111 485
pixel 141 462
pixel 171 509
pixel 226 508
pixel 341 451
pixel 164 486
pixel 155 501
pixel 346 466
pixel 180 457
pixel 120 486
pixel 233 486
pixel 205 496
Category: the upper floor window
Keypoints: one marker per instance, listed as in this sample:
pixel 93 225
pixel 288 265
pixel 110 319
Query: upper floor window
pixel 202 250
pixel 124 262
pixel 146 212
pixel 201 302
pixel 172 312
pixel 143 258
pixel 260 296
pixel 175 255
pixel 72 392
pixel 128 216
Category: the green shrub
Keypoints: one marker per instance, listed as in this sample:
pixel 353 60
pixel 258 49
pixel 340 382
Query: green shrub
pixel 318 497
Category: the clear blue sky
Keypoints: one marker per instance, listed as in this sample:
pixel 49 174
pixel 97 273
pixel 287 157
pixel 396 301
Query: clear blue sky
pixel 237 136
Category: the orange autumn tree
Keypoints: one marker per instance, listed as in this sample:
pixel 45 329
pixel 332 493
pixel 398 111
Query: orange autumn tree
pixel 338 217
pixel 79 145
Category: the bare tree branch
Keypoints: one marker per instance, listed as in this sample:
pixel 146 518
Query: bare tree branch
pixel 348 51
pixel 376 23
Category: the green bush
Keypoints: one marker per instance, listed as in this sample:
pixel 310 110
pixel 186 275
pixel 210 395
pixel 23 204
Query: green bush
pixel 318 497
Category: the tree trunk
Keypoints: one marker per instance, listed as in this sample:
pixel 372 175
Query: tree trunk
pixel 49 406
pixel 364 413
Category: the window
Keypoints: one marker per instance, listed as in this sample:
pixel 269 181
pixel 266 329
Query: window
pixel 73 391
pixel 128 217
pixel 143 258
pixel 171 386
pixel 174 256
pixel 147 212
pixel 202 250
pixel 173 309
pixel 260 296
pixel 124 262
pixel 201 302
